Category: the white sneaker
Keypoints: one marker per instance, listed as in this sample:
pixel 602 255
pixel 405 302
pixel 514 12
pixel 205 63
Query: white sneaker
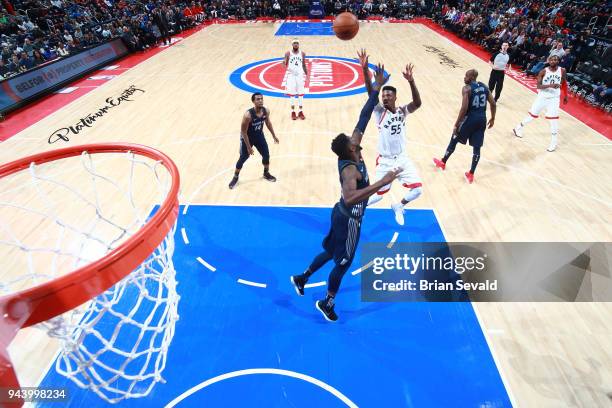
pixel 552 147
pixel 518 132
pixel 398 209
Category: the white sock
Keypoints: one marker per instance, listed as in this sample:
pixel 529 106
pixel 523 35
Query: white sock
pixel 300 100
pixel 413 194
pixel 554 130
pixel 374 198
pixel 525 121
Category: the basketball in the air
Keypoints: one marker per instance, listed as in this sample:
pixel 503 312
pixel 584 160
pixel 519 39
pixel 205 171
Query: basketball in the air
pixel 346 26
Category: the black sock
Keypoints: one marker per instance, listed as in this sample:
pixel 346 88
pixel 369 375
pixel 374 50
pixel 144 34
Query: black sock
pixel 307 273
pixel 450 149
pixel 475 159
pixel 329 301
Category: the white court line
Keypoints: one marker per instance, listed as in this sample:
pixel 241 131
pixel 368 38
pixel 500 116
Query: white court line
pixel 252 371
pixel 184 233
pixel 285 156
pixel 206 264
pixel 250 283
pixel 390 244
pixel 366 266
pixel 485 332
pixel 495 356
pixel 314 285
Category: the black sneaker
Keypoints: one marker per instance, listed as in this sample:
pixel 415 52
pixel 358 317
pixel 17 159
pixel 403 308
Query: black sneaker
pixel 327 312
pixel 298 282
pixel 269 177
pixel 232 183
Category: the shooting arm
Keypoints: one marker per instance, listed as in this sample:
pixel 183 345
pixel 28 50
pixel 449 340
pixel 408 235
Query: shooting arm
pixel 416 97
pixel 366 79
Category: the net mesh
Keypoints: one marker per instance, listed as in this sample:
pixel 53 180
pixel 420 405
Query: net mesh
pixel 62 215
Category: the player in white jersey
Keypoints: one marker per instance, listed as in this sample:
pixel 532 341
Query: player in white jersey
pixel 552 83
pixel 295 62
pixel 391 123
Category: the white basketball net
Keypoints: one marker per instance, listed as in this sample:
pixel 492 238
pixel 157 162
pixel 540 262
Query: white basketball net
pixel 62 215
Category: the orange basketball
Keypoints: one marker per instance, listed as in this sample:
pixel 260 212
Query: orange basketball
pixel 346 26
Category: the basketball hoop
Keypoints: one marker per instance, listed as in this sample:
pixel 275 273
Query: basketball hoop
pixel 108 288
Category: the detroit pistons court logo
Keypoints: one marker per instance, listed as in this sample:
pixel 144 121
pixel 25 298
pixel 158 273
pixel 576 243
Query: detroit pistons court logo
pixel 328 77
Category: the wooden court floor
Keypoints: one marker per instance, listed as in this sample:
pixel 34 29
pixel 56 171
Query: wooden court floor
pixel 549 354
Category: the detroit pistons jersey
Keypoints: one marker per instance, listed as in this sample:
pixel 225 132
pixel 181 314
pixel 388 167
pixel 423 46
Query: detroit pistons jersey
pixel 551 77
pixel 356 210
pixel 255 129
pixel 294 65
pixel 391 130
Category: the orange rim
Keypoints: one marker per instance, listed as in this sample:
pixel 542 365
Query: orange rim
pixel 47 300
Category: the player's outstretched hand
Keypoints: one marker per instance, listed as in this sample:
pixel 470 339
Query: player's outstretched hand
pixel 408 73
pixel 491 123
pixel 250 150
pixel 379 75
pixel 275 139
pixel 363 58
pixel 392 175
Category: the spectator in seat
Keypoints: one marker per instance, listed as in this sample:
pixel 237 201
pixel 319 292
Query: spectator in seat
pixel 67 37
pixel 130 39
pixel 567 61
pixel 28 47
pixel 13 65
pixel 61 50
pixel 25 62
pixel 557 49
pixel 48 54
pixel 106 33
pixel 4 71
pixel 38 58
pixel 603 94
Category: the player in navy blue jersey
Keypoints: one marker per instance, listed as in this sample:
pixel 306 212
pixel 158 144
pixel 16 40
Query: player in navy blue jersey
pixel 251 134
pixel 471 122
pixel 343 236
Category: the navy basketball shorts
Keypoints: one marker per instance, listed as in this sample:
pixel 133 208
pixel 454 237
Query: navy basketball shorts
pixel 257 142
pixel 343 236
pixel 472 130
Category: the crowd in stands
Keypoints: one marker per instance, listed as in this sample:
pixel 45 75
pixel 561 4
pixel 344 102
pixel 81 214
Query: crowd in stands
pixel 536 30
pixel 33 32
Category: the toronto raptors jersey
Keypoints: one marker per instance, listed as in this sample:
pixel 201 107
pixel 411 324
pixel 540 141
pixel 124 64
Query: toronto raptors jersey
pixel 551 77
pixel 294 65
pixel 391 130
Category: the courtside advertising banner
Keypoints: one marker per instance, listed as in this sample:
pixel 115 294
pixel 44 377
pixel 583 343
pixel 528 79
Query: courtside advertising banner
pixel 17 89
